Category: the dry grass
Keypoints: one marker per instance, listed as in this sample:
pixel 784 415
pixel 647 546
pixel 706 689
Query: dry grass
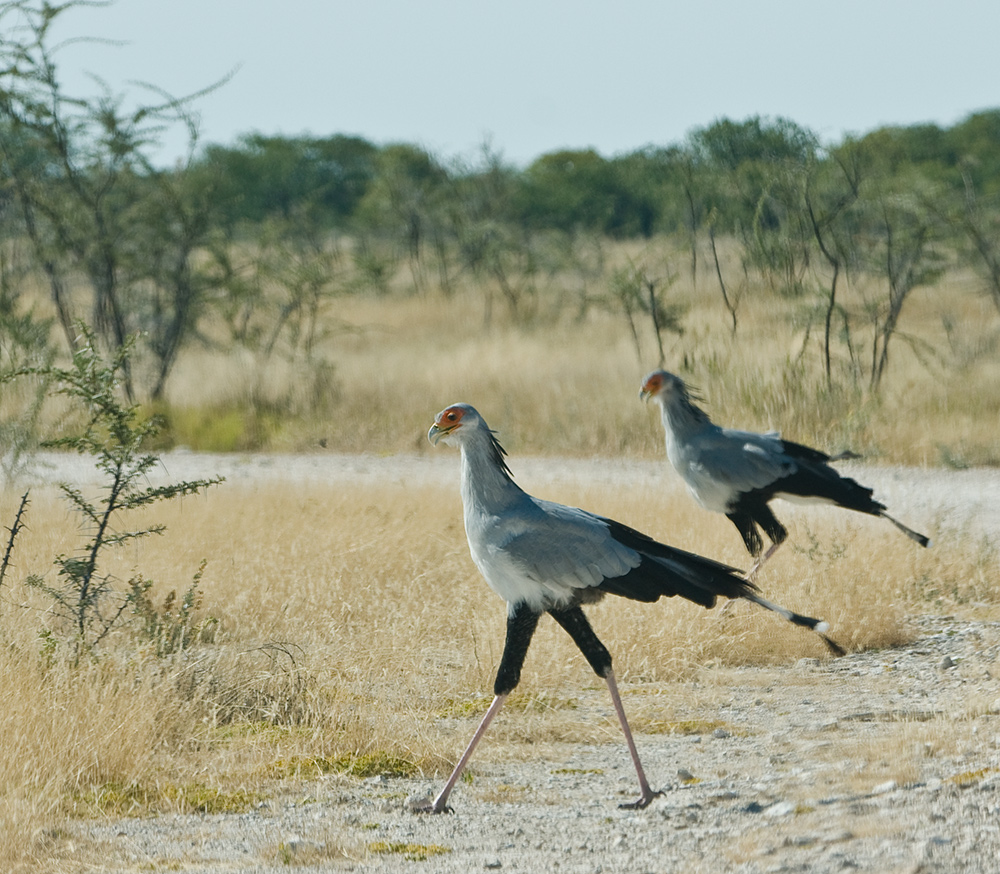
pixel 348 624
pixel 562 384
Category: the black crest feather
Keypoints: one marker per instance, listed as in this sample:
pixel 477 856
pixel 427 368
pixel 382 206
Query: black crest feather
pixel 499 455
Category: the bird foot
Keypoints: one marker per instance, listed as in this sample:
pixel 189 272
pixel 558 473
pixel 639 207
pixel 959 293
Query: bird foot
pixel 642 802
pixel 426 804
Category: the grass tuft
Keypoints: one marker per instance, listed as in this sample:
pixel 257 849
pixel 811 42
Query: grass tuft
pixel 410 852
pixel 362 766
pixel 970 778
pixel 136 799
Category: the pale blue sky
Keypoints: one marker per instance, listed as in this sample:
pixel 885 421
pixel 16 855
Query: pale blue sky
pixel 536 76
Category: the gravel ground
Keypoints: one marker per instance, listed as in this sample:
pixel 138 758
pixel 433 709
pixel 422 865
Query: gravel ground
pixel 774 788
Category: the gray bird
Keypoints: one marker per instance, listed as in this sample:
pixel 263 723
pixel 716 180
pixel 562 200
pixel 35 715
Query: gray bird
pixel 740 472
pixel 542 557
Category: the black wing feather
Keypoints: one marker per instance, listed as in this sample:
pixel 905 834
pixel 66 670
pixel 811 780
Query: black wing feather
pixel 817 480
pixel 688 575
pixel 804 453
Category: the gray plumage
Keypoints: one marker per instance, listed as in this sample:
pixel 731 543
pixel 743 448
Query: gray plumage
pixel 547 555
pixel 543 557
pixel 739 472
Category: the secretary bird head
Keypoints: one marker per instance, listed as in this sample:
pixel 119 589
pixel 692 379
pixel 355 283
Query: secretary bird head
pixel 667 388
pixel 449 422
pixel 460 423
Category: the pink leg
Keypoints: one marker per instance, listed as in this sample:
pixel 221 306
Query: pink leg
pixel 771 550
pixel 646 794
pixel 440 804
pixel 751 575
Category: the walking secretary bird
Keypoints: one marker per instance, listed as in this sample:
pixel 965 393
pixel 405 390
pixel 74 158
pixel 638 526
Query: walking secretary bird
pixel 543 557
pixel 740 472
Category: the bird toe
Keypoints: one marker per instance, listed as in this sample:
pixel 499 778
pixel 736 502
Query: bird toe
pixel 642 802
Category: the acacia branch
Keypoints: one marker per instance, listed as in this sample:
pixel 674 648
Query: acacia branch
pixel 722 284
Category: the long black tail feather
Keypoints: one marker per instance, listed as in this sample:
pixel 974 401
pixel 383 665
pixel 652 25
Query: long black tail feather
pixel 818 625
pixel 909 532
pixel 666 572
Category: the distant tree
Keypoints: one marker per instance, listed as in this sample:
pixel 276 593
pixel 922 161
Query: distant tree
pixel 277 297
pixel 730 298
pixel 976 143
pixel 634 291
pixel 971 202
pixel 974 218
pixel 903 233
pixel 695 183
pixel 729 145
pixel 264 177
pixel 569 190
pixel 106 228
pixel 755 157
pixel 832 188
pixel 489 241
pixel 404 202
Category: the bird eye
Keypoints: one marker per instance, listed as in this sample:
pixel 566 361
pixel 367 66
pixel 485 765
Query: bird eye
pixel 450 416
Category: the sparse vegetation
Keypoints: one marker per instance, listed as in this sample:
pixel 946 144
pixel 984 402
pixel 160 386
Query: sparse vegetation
pixel 87 599
pixel 411 852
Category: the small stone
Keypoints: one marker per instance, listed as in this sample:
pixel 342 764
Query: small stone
pixel 493 863
pixel 780 808
pixel 721 733
pixel 947 663
pixel 685 776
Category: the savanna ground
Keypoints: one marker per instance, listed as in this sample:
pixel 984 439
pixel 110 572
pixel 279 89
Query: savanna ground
pixel 343 635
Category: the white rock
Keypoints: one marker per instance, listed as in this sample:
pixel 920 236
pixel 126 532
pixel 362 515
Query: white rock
pixel 780 808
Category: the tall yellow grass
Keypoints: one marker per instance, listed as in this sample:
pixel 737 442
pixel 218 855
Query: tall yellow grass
pixel 568 385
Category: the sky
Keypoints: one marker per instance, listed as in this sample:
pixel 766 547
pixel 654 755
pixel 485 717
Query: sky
pixel 534 76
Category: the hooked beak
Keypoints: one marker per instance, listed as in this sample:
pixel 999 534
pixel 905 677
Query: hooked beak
pixel 436 432
pixel 645 394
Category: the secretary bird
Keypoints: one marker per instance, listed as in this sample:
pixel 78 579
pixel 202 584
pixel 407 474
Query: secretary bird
pixel 542 557
pixel 740 472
